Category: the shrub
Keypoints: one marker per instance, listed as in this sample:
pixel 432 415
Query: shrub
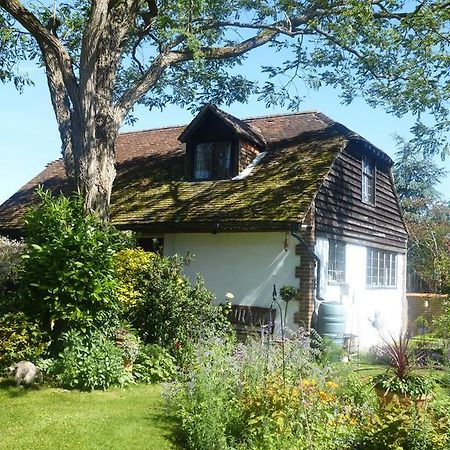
pixel 10 253
pixel 67 277
pixel 89 361
pixel 154 364
pixel 20 338
pixel 403 428
pixel 161 303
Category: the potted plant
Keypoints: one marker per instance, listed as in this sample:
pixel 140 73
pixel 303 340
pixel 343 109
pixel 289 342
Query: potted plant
pixel 129 343
pixel 400 384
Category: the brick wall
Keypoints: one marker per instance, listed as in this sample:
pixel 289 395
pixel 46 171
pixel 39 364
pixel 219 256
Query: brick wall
pixel 305 273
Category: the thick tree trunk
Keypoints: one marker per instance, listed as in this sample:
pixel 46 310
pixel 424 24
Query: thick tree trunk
pixel 94 156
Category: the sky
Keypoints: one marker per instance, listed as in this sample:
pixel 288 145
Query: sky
pixel 29 136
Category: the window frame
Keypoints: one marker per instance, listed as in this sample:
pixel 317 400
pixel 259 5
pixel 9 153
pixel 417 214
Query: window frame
pixel 368 180
pixel 214 172
pixel 336 249
pixel 385 272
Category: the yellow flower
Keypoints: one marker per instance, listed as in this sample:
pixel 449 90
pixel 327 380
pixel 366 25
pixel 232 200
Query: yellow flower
pixel 331 385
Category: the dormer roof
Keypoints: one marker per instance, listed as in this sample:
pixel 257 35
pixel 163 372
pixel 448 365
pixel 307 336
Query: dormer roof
pixel 240 127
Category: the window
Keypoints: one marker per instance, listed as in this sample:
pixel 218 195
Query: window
pixel 336 262
pixel 381 268
pixel 212 160
pixel 368 180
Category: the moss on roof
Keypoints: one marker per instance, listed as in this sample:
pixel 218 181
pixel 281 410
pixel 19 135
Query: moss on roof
pixel 149 191
pixel 280 189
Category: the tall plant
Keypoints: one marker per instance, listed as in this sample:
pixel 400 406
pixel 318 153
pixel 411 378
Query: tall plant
pixel 67 278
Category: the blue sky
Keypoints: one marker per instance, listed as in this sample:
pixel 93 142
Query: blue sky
pixel 29 136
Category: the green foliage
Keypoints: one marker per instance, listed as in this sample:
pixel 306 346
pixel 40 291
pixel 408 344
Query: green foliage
pixel 89 361
pixel 154 364
pixel 237 397
pixel 288 293
pixel 393 53
pixel 20 339
pixel 161 303
pixel 396 428
pixel 10 252
pixel 67 276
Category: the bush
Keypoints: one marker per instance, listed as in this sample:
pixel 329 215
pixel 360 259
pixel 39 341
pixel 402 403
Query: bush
pixel 67 277
pixel 154 364
pixel 10 258
pixel 89 361
pixel 20 338
pixel 161 303
pixel 396 428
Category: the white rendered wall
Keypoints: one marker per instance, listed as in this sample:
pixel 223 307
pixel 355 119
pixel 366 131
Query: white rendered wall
pixel 364 304
pixel 245 264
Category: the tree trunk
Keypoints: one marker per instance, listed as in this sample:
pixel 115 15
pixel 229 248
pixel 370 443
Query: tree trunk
pixel 95 171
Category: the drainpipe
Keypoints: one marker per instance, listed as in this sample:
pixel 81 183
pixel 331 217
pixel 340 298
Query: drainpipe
pixel 316 259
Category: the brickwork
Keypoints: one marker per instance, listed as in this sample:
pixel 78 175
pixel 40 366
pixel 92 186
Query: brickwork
pixel 305 272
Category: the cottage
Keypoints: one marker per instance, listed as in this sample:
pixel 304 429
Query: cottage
pixel 294 199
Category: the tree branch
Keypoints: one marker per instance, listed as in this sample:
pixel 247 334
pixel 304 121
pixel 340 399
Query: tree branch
pixel 47 42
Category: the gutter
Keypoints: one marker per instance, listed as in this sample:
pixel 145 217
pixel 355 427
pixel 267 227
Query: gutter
pixel 316 259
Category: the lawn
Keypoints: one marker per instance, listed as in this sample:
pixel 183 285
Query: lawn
pixel 46 418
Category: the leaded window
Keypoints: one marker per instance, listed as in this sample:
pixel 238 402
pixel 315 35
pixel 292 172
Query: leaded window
pixel 212 160
pixel 381 268
pixel 336 262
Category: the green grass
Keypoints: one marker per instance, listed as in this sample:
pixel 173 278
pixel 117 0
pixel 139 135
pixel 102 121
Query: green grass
pixel 133 418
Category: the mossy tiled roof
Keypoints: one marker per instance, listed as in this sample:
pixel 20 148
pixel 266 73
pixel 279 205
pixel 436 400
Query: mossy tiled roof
pixel 150 193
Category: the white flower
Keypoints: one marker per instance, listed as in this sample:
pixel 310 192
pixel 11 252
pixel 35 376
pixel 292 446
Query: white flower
pixel 229 296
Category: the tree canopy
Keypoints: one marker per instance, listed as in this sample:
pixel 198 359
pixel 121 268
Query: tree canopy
pixel 103 56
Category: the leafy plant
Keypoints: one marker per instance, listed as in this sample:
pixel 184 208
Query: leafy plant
pixel 395 428
pixel 161 303
pixel 20 338
pixel 67 276
pixel 128 342
pixel 288 293
pixel 154 364
pixel 399 378
pixel 10 252
pixel 89 361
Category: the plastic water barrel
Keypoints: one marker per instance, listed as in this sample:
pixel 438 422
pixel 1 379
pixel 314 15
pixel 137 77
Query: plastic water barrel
pixel 331 321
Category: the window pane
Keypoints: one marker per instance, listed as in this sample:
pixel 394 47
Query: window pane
pixel 368 181
pixel 381 268
pixel 223 159
pixel 203 161
pixel 336 261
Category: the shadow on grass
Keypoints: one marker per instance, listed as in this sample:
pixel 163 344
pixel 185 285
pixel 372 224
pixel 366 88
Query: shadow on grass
pixel 168 427
pixel 9 386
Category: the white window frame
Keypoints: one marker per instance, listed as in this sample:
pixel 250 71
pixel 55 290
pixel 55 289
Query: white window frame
pixel 336 261
pixel 381 271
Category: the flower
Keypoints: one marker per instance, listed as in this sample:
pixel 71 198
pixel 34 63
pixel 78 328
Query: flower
pixel 229 296
pixel 177 345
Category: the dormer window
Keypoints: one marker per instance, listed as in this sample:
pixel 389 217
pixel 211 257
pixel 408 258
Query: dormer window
pixel 219 146
pixel 212 160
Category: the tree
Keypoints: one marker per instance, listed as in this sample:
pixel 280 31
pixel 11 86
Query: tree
pixel 426 215
pixel 104 56
pixel 416 178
